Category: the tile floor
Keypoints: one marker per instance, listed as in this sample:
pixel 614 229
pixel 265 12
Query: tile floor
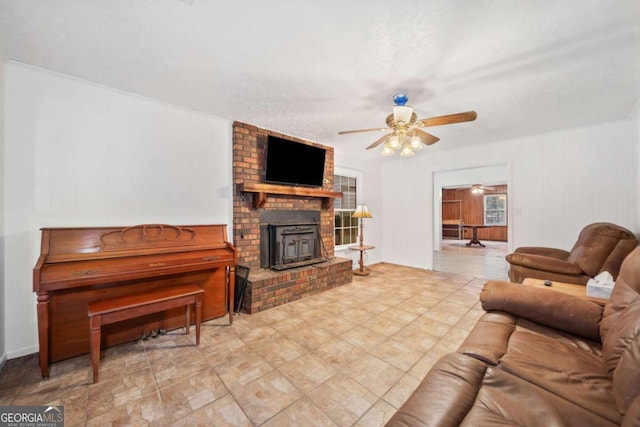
pixel 488 262
pixel 349 356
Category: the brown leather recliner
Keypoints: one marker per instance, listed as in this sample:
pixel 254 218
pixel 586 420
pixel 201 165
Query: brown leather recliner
pixel 601 246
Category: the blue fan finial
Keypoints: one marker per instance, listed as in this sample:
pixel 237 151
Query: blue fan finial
pixel 400 99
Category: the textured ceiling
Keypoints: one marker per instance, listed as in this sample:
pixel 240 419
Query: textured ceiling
pixel 313 68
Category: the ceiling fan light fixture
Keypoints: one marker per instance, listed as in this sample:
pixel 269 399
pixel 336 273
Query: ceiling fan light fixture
pixel 394 142
pixel 477 189
pixel 406 151
pixel 402 113
pixel 416 143
pixel 403 127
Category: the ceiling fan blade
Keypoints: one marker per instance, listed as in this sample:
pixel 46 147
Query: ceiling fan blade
pixel 449 119
pixel 346 132
pixel 488 188
pixel 426 137
pixel 378 142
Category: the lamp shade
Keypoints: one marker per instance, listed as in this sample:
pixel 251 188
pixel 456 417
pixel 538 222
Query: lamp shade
pixel 361 212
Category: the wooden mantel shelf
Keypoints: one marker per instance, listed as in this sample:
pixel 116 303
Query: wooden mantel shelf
pixel 260 192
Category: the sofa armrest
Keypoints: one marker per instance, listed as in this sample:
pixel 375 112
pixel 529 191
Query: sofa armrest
pixel 560 254
pixel 488 341
pixel 547 307
pixel 540 262
pixel 445 395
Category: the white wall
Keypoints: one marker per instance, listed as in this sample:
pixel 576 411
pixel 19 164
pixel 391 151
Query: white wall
pixel 559 182
pixel 78 154
pixel 3 320
pixel 635 120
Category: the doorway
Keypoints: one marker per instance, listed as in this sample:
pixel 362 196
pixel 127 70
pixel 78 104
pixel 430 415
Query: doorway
pixel 471 230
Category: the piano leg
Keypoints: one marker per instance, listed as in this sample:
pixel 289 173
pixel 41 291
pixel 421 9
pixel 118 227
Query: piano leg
pixel 231 286
pixel 43 332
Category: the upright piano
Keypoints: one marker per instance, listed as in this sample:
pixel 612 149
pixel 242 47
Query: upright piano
pixel 79 265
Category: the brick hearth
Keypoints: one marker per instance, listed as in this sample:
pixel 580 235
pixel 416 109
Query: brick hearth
pixel 269 288
pixel 272 288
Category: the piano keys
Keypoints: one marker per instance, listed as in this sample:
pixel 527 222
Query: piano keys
pixel 79 265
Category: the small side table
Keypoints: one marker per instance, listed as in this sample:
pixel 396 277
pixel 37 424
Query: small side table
pixel 362 271
pixel 567 288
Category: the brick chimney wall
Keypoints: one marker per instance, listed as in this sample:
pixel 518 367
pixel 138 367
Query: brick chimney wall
pixel 249 156
pixel 266 288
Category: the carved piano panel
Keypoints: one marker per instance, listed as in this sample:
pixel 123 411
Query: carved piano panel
pixel 78 265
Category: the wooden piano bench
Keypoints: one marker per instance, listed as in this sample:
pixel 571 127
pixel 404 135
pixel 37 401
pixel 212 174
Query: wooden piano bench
pixel 112 310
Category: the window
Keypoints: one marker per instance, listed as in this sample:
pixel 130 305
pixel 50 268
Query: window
pixel 346 228
pixel 495 209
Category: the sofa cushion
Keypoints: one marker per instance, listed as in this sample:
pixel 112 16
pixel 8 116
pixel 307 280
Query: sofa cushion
pixel 462 391
pixel 568 366
pixel 507 400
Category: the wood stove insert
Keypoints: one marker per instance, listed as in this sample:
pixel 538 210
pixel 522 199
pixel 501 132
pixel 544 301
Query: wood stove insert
pixel 290 239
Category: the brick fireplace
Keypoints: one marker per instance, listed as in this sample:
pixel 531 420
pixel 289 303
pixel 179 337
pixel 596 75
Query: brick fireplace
pixel 299 226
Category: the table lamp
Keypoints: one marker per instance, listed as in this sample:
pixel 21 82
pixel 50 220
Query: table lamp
pixel 361 212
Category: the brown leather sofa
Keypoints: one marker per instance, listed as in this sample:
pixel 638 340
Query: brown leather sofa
pixel 539 358
pixel 601 246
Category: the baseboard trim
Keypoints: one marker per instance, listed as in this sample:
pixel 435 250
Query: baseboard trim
pixel 3 360
pixel 22 352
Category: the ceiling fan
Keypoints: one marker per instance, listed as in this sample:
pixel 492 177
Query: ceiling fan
pixel 405 131
pixel 479 189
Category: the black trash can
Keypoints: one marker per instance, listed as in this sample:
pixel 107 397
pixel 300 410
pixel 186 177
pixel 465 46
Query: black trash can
pixel 242 278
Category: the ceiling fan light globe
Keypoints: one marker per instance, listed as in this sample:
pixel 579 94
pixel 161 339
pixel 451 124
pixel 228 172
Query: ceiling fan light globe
pixel 387 151
pixel 402 113
pixel 416 143
pixel 394 142
pixel 406 151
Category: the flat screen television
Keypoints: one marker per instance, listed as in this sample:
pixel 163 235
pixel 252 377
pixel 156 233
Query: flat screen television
pixel 294 163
